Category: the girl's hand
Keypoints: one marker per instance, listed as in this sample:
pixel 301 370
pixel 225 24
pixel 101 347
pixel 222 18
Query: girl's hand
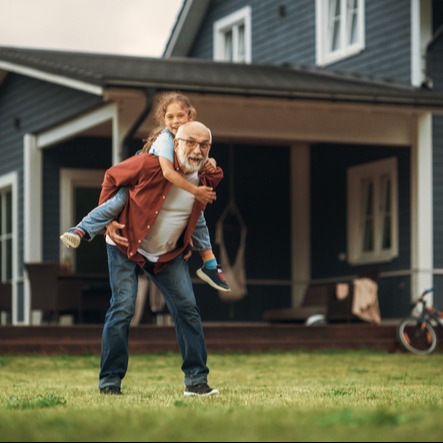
pixel 210 165
pixel 205 194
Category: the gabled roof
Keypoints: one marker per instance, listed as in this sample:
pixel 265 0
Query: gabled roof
pixel 100 71
pixel 186 28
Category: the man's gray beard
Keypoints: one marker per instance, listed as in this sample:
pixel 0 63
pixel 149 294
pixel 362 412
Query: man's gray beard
pixel 185 165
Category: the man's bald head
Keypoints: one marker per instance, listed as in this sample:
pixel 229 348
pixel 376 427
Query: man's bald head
pixel 192 145
pixel 194 127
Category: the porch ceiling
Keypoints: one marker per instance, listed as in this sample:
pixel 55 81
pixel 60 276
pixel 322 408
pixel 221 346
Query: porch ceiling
pixel 281 121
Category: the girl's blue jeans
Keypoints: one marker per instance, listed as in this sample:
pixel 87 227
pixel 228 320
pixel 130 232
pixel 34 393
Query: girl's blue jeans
pixel 97 220
pixel 175 284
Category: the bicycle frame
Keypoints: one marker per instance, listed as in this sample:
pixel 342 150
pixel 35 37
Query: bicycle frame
pixel 428 312
pixel 417 333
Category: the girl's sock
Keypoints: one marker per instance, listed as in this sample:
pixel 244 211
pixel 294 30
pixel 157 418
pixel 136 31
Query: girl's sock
pixel 77 231
pixel 211 263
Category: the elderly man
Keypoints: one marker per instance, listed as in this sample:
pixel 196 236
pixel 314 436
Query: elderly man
pixel 157 224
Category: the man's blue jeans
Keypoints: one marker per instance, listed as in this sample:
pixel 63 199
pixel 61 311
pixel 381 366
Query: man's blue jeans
pixel 175 284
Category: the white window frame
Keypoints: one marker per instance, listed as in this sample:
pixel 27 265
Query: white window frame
pixel 358 218
pixel 70 179
pixel 9 182
pixel 324 31
pixel 232 25
pixel 7 188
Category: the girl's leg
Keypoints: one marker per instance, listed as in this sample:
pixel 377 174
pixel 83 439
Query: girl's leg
pixel 211 272
pixel 200 238
pixel 97 220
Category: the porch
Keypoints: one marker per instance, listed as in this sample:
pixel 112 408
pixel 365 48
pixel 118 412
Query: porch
pixel 220 338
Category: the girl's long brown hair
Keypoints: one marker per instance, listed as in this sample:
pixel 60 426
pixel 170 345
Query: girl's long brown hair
pixel 160 111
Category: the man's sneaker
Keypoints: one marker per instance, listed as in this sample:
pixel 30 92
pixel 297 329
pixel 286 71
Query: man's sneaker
pixel 111 390
pixel 202 390
pixel 214 277
pixel 71 238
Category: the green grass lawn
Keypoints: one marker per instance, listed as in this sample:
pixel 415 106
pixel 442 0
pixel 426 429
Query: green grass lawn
pixel 294 396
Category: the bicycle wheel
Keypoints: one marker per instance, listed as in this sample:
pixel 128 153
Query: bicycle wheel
pixel 417 336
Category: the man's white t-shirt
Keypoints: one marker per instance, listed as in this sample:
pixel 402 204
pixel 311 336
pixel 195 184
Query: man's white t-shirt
pixel 170 223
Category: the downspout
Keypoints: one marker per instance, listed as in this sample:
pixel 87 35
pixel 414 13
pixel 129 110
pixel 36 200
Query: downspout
pixel 428 82
pixel 150 94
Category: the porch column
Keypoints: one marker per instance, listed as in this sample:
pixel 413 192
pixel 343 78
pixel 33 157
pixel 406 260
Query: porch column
pixel 300 210
pixel 422 257
pixel 33 215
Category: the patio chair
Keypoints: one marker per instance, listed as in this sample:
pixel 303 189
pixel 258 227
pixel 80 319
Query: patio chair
pixel 50 294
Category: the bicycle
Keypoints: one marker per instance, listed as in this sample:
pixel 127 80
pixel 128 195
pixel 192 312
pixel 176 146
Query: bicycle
pixel 417 333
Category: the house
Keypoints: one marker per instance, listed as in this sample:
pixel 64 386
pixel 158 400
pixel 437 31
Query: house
pixel 323 119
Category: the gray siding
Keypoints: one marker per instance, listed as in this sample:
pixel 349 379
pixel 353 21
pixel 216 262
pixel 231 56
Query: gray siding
pixel 291 38
pixel 30 106
pixel 436 74
pixel 387 52
pixel 438 190
pixel 34 106
pixel 275 39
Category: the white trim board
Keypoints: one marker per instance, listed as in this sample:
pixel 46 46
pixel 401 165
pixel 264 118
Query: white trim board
pixel 52 78
pixel 11 180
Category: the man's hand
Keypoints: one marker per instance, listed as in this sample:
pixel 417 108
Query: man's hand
pixel 205 194
pixel 187 254
pixel 114 233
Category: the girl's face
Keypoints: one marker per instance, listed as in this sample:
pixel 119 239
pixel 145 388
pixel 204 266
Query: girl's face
pixel 175 116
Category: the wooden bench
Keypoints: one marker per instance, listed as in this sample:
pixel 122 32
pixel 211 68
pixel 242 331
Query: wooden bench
pixel 318 300
pixel 315 302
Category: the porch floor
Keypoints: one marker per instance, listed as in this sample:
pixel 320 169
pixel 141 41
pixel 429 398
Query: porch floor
pixel 220 338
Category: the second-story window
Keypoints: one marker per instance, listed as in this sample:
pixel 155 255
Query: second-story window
pixel 232 37
pixel 340 29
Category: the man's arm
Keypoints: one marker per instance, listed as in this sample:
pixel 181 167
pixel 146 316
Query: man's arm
pixel 203 194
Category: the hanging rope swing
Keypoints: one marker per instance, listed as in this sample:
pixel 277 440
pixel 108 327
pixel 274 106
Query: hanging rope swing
pixel 235 272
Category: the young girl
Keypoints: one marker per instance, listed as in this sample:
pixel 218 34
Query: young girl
pixel 173 110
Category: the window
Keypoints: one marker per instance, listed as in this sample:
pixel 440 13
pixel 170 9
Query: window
pixel 79 192
pixel 232 37
pixel 372 212
pixel 6 234
pixel 340 29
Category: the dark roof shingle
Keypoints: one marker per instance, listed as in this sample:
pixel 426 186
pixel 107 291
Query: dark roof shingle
pixel 196 75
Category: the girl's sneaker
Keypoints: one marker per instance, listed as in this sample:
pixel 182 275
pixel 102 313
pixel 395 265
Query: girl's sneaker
pixel 72 238
pixel 214 277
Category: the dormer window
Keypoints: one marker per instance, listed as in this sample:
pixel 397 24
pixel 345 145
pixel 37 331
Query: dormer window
pixel 232 37
pixel 340 29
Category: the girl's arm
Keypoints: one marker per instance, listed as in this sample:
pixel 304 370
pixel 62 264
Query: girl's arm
pixel 203 194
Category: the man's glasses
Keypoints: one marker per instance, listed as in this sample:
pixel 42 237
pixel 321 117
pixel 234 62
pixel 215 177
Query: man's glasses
pixel 191 144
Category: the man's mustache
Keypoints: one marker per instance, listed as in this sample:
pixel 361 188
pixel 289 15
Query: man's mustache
pixel 196 157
